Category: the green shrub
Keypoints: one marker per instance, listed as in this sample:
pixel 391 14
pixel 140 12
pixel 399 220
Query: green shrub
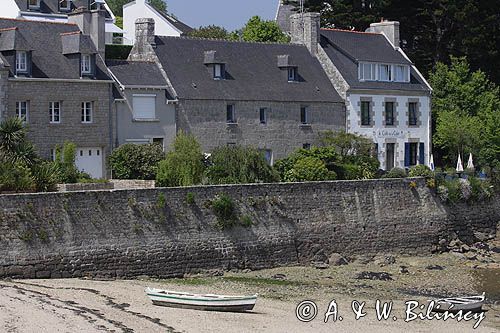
pixel 420 171
pixel 349 171
pixel 183 166
pixel 309 169
pixel 65 161
pixel 224 209
pixel 326 154
pixel 239 165
pixel 246 221
pixel 46 175
pixel 161 201
pixel 396 173
pixel 15 177
pixel 131 161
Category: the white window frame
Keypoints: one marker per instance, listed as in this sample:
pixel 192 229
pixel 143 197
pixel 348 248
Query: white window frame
pixel 86 64
pixel 389 72
pixel 87 112
pixel 218 71
pixel 31 6
pixel 367 71
pixel 22 110
pixel 404 70
pixel 21 62
pixel 292 74
pixel 53 107
pixel 134 96
pixel 68 5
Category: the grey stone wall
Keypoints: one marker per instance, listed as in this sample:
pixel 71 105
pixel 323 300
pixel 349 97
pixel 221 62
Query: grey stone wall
pixel 283 132
pixel 159 232
pixel 45 135
pixel 4 74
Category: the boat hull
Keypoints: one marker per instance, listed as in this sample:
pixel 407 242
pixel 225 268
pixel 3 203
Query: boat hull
pixel 201 302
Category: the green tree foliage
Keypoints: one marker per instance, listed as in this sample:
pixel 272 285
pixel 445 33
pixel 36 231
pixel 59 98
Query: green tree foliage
pixel 183 165
pixel 65 163
pixel 211 31
pixel 466 109
pixel 14 145
pixel 116 6
pixel 309 169
pixel 258 30
pixel 431 30
pixel 420 171
pixel 45 176
pixel 131 161
pixel 15 176
pixel 239 165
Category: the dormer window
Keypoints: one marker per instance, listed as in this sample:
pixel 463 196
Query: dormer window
pixel 292 74
pixel 219 70
pixel 21 62
pixel 33 4
pixel 86 64
pixel 64 5
pixel 383 72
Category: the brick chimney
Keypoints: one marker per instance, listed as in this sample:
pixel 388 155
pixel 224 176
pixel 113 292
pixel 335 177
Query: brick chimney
pixel 144 40
pixel 389 28
pixel 92 23
pixel 305 29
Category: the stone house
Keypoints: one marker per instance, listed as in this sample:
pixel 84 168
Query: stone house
pixel 165 24
pixel 386 97
pixel 52 75
pixel 275 97
pixel 57 11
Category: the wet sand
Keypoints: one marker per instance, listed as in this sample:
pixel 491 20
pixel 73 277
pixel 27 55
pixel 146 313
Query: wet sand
pixel 78 305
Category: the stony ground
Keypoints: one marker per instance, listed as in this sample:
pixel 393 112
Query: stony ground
pixel 77 305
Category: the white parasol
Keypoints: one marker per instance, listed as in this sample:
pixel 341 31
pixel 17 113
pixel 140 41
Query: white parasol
pixel 460 167
pixel 470 164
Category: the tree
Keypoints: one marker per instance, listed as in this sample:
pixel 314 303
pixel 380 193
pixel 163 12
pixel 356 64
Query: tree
pixel 116 6
pixel 14 145
pixel 309 169
pixel 347 143
pixel 257 30
pixel 239 165
pixel 183 165
pixel 131 161
pixel 210 31
pixel 466 109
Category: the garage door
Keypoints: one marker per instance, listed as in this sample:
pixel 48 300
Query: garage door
pixel 89 160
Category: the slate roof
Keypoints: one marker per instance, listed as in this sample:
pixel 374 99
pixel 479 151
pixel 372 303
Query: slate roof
pixel 347 48
pixel 252 71
pixel 181 26
pixel 52 6
pixel 45 41
pixel 136 73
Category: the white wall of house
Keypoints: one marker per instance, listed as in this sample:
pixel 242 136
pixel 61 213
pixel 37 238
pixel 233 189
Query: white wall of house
pixel 399 134
pixel 140 9
pixel 9 9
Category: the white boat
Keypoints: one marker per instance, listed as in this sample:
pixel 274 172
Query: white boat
pixel 455 304
pixel 209 302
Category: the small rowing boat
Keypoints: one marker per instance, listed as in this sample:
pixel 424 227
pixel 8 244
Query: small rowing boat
pixel 208 302
pixel 466 304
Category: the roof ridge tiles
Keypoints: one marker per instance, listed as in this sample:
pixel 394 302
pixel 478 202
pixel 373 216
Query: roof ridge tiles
pixel 229 41
pixel 352 31
pixel 35 21
pixel 71 33
pixel 8 29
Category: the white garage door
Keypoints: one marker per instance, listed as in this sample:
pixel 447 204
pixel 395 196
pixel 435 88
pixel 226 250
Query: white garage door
pixel 89 160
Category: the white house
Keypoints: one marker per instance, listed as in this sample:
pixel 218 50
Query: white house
pixel 387 99
pixel 56 11
pixel 165 24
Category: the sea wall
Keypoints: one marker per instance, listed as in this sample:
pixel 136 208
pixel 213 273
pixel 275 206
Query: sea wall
pixel 172 232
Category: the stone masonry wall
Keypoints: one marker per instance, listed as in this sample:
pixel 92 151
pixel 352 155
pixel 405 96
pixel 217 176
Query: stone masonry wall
pixel 282 133
pixel 162 232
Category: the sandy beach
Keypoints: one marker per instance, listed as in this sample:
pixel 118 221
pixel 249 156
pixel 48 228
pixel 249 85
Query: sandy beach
pixel 80 305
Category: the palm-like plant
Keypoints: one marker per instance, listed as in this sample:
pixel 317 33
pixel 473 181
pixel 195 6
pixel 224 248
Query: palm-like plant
pixel 14 147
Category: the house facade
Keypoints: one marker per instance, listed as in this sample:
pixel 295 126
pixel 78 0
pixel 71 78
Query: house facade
pixel 386 97
pixel 57 11
pixel 165 24
pixel 275 97
pixel 53 77
pixel 145 111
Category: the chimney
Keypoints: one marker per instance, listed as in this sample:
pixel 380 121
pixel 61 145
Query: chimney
pixel 91 23
pixel 144 40
pixel 305 29
pixel 389 28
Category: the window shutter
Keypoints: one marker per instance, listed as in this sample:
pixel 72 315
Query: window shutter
pixel 407 154
pixel 144 107
pixel 421 154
